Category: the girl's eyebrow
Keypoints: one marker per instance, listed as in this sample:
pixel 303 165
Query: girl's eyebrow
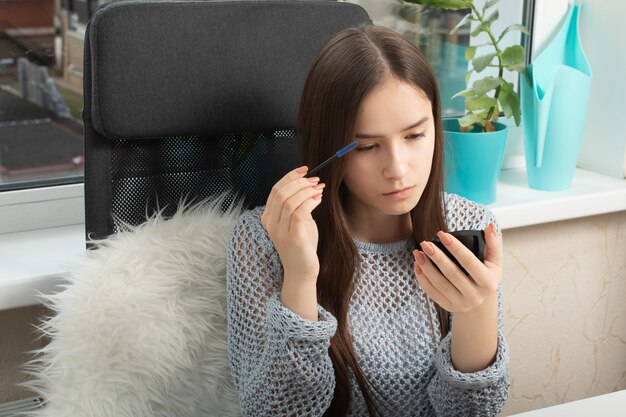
pixel 373 136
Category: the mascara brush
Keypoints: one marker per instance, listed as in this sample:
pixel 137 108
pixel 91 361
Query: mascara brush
pixel 341 152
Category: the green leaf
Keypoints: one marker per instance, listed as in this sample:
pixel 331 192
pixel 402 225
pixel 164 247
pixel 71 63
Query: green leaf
pixel 470 52
pixel 480 28
pixel 465 93
pixel 480 62
pixel 468 74
pixel 521 28
pixel 467 18
pixel 444 4
pixel 483 114
pixel 480 103
pixel 489 4
pixel 470 119
pixel 518 67
pixel 510 103
pixel 513 56
pixel 506 86
pixel 481 87
pixel 493 17
pixel 485 26
pixel 504 103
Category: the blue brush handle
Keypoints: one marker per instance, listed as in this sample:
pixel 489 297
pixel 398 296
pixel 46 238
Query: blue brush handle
pixel 346 149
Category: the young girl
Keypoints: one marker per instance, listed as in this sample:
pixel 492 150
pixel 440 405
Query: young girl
pixel 337 305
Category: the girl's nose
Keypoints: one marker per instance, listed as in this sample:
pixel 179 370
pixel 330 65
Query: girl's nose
pixel 396 165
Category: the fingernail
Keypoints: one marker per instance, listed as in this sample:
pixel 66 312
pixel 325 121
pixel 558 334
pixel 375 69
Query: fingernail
pixel 319 186
pixel 444 237
pixel 428 247
pixel 302 169
pixel 314 179
pixel 420 258
pixel 418 270
pixel 317 197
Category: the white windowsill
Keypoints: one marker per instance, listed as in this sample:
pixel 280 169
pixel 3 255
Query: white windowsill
pixel 34 261
pixel 517 205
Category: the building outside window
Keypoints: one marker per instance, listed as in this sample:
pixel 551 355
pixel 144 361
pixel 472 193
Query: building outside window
pixel 41 53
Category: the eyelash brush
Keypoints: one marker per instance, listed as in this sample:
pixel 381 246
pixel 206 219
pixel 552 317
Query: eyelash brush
pixel 341 152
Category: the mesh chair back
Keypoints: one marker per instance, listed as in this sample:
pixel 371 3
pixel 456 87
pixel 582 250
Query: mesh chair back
pixel 188 99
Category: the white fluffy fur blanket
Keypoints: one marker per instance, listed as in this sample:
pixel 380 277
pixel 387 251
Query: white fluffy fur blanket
pixel 140 330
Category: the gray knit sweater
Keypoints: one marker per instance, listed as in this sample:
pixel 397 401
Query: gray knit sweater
pixel 280 361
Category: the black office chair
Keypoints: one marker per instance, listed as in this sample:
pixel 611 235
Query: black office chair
pixel 193 98
pixel 183 100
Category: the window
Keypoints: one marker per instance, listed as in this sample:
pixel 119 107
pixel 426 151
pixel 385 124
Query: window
pixel 41 59
pixel 429 29
pixel 41 52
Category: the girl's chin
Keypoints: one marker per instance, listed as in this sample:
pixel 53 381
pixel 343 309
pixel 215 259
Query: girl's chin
pixel 399 207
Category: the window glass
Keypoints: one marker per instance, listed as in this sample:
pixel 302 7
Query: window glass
pixel 429 28
pixel 41 77
pixel 41 53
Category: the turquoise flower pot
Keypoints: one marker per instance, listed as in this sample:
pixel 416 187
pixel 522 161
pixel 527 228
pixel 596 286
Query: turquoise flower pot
pixel 473 161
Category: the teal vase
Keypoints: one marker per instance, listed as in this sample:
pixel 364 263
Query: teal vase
pixel 554 108
pixel 473 161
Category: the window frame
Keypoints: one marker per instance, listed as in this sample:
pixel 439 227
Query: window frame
pixel 41 208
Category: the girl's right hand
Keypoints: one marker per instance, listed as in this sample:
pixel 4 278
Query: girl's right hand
pixel 288 221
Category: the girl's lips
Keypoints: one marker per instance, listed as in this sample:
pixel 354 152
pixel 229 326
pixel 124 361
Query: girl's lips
pixel 401 193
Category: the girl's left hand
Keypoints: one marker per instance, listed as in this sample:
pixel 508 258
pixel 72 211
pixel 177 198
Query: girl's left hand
pixel 451 288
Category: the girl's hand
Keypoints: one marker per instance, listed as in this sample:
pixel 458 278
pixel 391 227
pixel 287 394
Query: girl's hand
pixel 288 221
pixel 451 288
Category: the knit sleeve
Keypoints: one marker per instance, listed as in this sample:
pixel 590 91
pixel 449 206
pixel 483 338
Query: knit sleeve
pixel 482 393
pixel 279 360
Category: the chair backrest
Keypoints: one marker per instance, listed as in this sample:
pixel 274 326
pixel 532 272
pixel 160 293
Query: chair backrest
pixel 188 99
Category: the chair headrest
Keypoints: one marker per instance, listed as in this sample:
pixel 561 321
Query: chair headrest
pixel 204 67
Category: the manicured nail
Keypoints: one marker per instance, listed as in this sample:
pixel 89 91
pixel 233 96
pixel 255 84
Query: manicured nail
pixel 302 169
pixel 319 186
pixel 428 247
pixel 420 258
pixel 314 179
pixel 445 238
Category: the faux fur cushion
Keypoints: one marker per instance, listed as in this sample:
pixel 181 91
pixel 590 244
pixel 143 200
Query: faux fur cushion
pixel 140 330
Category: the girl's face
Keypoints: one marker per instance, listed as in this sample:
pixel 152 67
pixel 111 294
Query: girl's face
pixel 388 171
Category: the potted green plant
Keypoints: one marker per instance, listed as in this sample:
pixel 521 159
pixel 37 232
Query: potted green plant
pixel 475 142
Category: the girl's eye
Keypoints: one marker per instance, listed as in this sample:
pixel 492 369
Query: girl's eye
pixel 365 148
pixel 415 136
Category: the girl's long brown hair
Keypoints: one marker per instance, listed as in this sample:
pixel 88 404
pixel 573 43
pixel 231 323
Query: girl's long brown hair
pixel 349 67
